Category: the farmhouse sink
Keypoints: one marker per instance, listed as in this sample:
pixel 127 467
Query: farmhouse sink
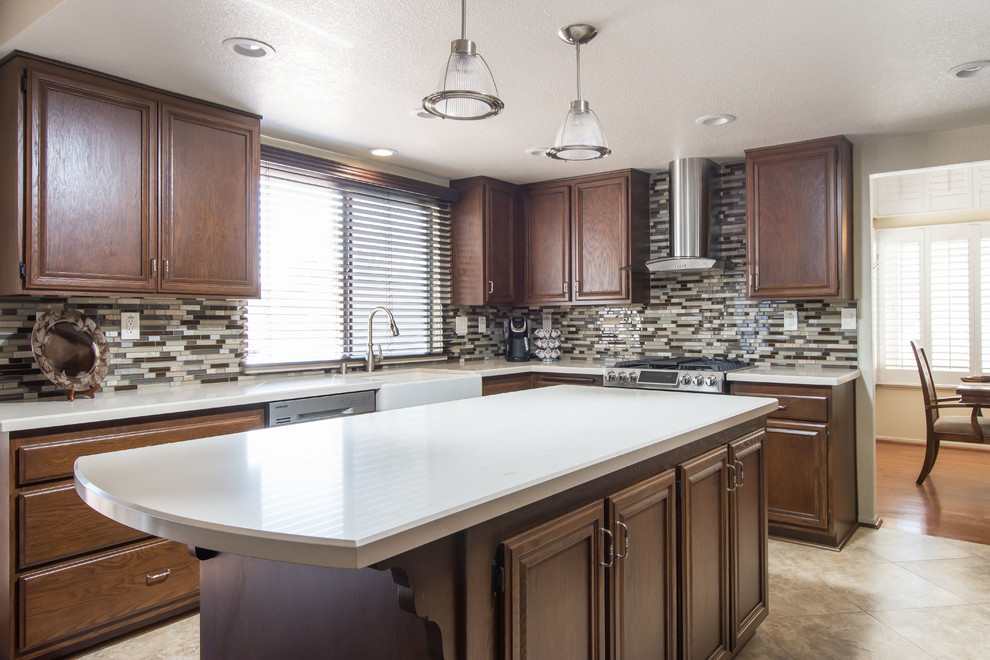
pixel 417 387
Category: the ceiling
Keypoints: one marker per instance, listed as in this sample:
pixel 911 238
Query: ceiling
pixel 349 75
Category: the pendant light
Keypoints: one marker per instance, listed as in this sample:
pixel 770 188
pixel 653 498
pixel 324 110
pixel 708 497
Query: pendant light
pixel 467 89
pixel 581 136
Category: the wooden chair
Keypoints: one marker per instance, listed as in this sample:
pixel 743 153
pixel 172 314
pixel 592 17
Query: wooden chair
pixel 955 428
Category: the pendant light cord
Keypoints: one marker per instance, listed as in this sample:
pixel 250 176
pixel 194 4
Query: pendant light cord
pixel 577 47
pixel 463 19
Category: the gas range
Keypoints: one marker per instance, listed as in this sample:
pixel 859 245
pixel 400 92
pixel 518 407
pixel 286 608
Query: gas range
pixel 681 374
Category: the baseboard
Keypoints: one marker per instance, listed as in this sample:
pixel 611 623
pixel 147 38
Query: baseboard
pixel 945 444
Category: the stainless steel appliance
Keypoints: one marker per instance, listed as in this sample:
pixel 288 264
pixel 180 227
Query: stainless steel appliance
pixel 517 340
pixel 681 374
pixel 281 413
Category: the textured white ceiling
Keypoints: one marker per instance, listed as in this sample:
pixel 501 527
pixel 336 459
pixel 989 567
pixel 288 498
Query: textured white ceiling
pixel 348 74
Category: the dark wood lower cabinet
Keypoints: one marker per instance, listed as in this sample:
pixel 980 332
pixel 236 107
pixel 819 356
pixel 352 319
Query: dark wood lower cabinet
pixel 531 380
pixel 75 578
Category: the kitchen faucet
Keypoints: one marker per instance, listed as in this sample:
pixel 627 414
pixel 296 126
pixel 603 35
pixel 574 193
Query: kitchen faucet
pixel 392 328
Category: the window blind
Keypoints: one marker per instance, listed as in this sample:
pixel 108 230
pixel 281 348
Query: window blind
pixel 333 249
pixel 931 287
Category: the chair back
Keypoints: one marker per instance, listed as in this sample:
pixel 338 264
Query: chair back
pixel 927 383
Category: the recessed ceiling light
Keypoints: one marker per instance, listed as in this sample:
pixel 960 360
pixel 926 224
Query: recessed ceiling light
pixel 423 114
pixel 382 151
pixel 715 120
pixel 539 151
pixel 249 47
pixel 971 69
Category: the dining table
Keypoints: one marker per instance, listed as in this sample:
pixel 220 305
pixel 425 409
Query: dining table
pixel 974 394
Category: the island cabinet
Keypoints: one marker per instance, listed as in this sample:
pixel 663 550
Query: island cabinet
pixel 74 578
pixel 579 234
pixel 799 220
pixel 110 187
pixel 484 234
pixel 811 461
pixel 602 581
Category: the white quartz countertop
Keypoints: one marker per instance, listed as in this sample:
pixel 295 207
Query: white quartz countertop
pixel 353 491
pixel 799 375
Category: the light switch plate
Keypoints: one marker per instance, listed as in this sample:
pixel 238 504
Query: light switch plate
pixel 790 320
pixel 482 324
pixel 460 325
pixel 849 319
pixel 130 325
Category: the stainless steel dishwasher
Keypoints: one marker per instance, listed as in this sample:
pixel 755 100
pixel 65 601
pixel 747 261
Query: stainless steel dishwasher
pixel 295 411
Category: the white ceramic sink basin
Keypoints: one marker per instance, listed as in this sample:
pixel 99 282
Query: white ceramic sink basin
pixel 418 387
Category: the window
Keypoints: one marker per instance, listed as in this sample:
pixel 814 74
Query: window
pixel 931 286
pixel 332 249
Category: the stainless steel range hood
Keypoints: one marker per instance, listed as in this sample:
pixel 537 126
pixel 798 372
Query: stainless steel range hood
pixel 689 219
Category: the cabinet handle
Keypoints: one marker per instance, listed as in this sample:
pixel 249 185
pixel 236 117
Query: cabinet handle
pixel 154 269
pixel 166 269
pixel 625 534
pixel 565 287
pixel 491 286
pixel 734 484
pixel 781 406
pixel 157 577
pixel 742 475
pixel 610 549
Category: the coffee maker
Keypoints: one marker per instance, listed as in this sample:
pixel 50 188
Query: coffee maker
pixel 517 339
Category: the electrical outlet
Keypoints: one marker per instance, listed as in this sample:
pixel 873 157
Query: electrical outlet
pixel 460 325
pixel 547 319
pixel 790 320
pixel 130 325
pixel 482 324
pixel 849 319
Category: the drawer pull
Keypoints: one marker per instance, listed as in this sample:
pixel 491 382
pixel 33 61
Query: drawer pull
pixel 781 406
pixel 157 578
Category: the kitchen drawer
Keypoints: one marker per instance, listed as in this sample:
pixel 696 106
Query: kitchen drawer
pixel 549 380
pixel 507 383
pixel 54 523
pixel 103 590
pixel 798 402
pixel 45 456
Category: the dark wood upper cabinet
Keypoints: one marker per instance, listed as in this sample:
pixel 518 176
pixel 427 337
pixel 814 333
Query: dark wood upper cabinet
pixel 209 187
pixel 798 220
pixel 112 187
pixel 91 214
pixel 547 244
pixel 485 242
pixel 579 233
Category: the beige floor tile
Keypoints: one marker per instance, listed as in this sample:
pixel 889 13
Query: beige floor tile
pixel 978 549
pixel 797 593
pixel 968 577
pixel 840 637
pixel 783 556
pixel 761 647
pixel 897 545
pixel 961 632
pixel 887 586
pixel 177 641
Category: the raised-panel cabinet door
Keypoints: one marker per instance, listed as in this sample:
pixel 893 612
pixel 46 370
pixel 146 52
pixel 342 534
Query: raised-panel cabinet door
pixel 500 237
pixel 209 207
pixel 92 173
pixel 797 463
pixel 601 239
pixel 555 589
pixel 705 557
pixel 546 244
pixel 748 536
pixel 643 582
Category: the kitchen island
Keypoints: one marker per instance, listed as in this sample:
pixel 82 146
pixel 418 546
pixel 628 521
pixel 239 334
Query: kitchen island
pixel 441 530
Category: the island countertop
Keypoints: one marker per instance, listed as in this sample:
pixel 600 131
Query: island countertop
pixel 351 492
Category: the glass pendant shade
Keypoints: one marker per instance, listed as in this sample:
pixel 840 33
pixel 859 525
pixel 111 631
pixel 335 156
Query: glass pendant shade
pixel 581 136
pixel 467 89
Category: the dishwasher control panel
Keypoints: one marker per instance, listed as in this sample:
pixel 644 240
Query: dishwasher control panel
pixel 295 411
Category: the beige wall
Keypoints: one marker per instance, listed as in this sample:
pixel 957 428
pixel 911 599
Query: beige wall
pixel 901 412
pixel 877 156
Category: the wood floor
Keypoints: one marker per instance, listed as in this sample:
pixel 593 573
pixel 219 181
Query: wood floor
pixel 953 502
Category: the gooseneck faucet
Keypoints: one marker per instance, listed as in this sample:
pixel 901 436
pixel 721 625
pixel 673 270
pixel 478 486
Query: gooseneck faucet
pixel 392 328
